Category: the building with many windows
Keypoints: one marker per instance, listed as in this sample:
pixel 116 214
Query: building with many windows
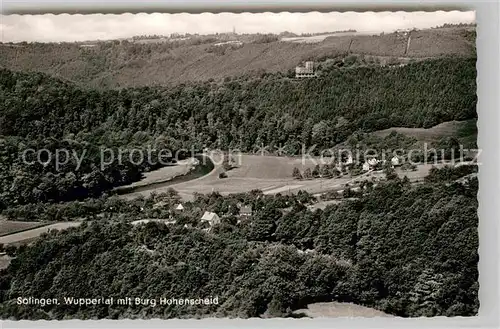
pixel 306 71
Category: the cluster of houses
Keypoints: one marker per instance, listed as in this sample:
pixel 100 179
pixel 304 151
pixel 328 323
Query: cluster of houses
pixel 372 163
pixel 213 219
pixel 210 218
pixel 369 164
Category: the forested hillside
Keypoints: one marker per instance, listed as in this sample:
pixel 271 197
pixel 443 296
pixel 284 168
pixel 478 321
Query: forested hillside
pixel 126 64
pixel 406 250
pixel 37 111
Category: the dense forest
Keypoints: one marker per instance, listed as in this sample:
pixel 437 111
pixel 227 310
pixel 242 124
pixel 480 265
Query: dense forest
pixel 231 114
pixel 40 112
pixel 406 250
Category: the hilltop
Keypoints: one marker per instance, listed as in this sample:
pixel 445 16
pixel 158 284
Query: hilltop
pixel 167 61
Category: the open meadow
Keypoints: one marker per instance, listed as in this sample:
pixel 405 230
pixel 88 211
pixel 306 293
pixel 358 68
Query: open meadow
pixel 461 129
pixel 31 234
pixel 266 173
pixel 271 175
pixel 164 174
pixel 9 227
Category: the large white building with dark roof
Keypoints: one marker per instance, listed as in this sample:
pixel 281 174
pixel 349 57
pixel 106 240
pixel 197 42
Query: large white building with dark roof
pixel 306 71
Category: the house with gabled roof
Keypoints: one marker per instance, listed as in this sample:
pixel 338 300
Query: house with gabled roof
pixel 210 218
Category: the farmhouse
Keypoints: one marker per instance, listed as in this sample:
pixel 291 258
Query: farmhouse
pixel 179 207
pixel 211 218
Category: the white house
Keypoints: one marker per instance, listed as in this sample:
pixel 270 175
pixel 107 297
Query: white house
pixel 372 162
pixel 179 207
pixel 210 217
pixel 395 161
pixel 366 166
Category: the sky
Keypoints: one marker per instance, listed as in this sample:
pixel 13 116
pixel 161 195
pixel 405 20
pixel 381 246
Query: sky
pixel 64 27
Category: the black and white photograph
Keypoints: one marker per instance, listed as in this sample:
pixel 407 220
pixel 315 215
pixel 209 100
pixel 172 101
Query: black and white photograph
pixel 239 165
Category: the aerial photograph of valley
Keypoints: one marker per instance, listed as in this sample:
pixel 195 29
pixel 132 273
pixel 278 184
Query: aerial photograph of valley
pixel 238 165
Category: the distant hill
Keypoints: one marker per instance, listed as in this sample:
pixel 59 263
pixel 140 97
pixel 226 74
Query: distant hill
pixel 163 62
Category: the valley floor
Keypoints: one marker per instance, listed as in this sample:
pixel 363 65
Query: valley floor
pixel 272 175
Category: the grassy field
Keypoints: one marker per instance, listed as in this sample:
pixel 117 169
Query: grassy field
pixel 29 235
pixel 164 174
pixel 322 37
pixel 253 172
pixel 464 131
pixel 10 227
pixel 450 40
pixel 269 167
pixel 271 175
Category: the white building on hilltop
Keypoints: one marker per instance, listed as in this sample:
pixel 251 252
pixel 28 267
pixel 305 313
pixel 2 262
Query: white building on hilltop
pixel 306 71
